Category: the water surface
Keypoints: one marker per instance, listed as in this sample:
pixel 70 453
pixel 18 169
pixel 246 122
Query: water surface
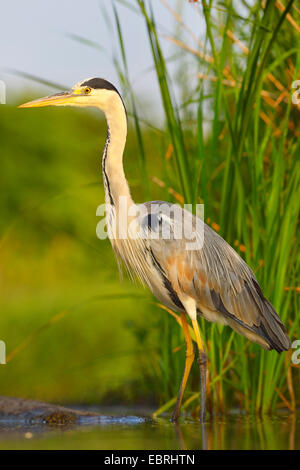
pixel 119 430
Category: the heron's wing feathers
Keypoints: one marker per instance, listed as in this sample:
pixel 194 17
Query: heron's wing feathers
pixel 221 283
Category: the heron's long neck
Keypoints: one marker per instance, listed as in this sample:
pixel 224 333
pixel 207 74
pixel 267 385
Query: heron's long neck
pixel 114 179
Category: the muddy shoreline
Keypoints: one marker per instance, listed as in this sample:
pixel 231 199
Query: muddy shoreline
pixel 33 411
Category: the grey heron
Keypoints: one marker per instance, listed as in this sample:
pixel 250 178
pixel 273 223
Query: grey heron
pixel 212 281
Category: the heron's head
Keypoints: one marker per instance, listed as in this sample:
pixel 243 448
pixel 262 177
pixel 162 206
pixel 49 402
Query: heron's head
pixel 95 92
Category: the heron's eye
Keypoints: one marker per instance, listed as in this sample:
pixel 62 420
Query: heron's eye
pixel 87 90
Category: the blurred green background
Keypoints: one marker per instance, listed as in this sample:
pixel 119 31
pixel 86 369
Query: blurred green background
pixel 51 260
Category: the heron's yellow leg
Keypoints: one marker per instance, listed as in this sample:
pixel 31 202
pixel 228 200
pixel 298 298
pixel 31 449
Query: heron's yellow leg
pixel 202 360
pixel 198 336
pixel 189 359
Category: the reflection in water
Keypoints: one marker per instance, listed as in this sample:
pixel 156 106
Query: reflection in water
pixel 180 436
pixel 203 436
pixel 292 432
pixel 233 431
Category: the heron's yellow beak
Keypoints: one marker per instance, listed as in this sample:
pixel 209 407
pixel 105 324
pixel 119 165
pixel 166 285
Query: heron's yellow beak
pixel 58 99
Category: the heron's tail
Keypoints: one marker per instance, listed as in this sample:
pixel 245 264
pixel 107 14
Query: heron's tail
pixel 271 328
pixel 270 332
